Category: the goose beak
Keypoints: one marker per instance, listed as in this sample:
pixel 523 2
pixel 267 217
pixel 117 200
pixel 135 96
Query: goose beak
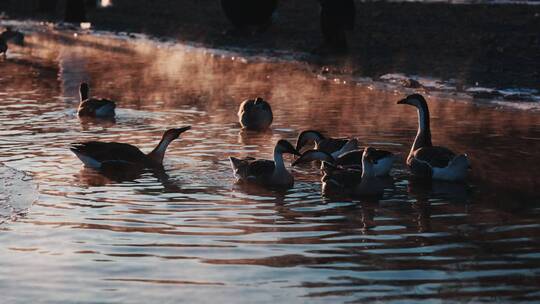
pixel 402 101
pixel 183 129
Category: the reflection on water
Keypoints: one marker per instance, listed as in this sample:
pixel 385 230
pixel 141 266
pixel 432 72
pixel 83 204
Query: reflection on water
pixel 188 233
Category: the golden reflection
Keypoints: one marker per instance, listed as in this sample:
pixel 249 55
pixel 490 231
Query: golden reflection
pixel 151 76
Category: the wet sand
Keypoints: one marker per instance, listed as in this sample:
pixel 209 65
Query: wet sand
pixel 487 45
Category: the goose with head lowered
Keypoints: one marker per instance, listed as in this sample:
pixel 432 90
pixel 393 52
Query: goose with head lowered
pixel 266 172
pixel 382 160
pixel 97 155
pixel 334 146
pixel 426 160
pixel 255 114
pixel 353 182
pixel 93 107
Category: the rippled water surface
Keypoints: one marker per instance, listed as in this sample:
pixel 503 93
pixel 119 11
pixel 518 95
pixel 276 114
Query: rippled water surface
pixel 191 235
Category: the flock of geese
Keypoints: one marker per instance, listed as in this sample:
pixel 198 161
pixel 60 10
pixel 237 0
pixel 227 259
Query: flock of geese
pixel 346 168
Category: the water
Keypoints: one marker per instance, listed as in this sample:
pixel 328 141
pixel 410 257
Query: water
pixel 194 236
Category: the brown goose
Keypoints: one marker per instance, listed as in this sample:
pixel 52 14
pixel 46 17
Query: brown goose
pixel 266 172
pixel 95 154
pixel 353 182
pixel 92 107
pixel 382 160
pixel 334 146
pixel 426 160
pixel 255 114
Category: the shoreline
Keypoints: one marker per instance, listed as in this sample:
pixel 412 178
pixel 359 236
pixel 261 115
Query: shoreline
pixel 472 45
pixel 519 99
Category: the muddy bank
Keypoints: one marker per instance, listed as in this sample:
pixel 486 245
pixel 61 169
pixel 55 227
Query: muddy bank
pixel 488 45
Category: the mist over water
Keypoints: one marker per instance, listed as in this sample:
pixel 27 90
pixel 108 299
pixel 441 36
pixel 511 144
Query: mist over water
pixel 192 235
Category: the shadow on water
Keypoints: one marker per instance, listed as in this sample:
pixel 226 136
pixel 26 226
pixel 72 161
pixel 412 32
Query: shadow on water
pixel 189 225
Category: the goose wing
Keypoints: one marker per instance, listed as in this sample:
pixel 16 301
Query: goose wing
pixel 331 145
pixel 252 169
pixel 94 106
pixel 261 169
pixel 109 152
pixel 355 157
pixel 343 177
pixel 350 158
pixel 438 157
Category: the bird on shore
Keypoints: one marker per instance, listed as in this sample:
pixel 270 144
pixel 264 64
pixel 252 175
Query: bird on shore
pixel 97 155
pixel 426 160
pixel 93 107
pixel 382 160
pixel 270 173
pixel 244 14
pixel 255 114
pixel 334 146
pixel 352 181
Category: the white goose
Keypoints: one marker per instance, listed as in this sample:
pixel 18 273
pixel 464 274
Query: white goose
pixel 353 182
pixel 426 160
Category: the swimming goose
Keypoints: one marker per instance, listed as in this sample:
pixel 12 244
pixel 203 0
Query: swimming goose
pixel 382 160
pixel 92 107
pixel 97 155
pixel 334 146
pixel 266 172
pixel 426 160
pixel 255 114
pixel 353 182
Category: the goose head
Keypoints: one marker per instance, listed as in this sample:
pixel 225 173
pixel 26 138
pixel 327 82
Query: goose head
pixel 312 155
pixel 173 134
pixel 415 100
pixel 284 146
pixel 306 137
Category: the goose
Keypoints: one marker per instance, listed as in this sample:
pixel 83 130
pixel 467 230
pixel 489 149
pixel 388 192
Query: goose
pixel 382 160
pixel 334 146
pixel 255 114
pixel 426 160
pixel 352 181
pixel 266 172
pixel 100 155
pixel 92 107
